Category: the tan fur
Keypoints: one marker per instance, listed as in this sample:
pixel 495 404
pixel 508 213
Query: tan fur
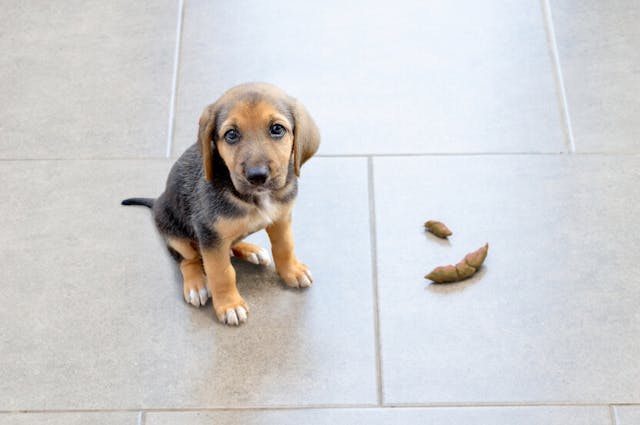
pixel 234 229
pixel 244 249
pixel 221 281
pixel 190 265
pixel 287 265
pixel 205 131
pixel 188 249
pixel 306 137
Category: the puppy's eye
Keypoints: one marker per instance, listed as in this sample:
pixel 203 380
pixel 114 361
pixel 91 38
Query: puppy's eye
pixel 232 137
pixel 277 131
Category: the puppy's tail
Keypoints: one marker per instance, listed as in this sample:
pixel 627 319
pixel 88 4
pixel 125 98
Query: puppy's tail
pixel 147 202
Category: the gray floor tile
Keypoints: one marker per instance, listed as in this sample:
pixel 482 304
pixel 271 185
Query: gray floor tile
pixel 94 316
pixel 80 418
pixel 86 79
pixel 627 415
pixel 444 416
pixel 598 46
pixel 404 78
pixel 551 317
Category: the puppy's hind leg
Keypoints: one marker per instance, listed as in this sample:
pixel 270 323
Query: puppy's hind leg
pixel 194 286
pixel 252 253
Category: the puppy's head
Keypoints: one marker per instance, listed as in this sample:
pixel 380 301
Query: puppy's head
pixel 258 131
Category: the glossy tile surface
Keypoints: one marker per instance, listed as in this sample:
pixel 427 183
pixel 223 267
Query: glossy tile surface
pixel 552 316
pixel 86 79
pixel 412 77
pixel 449 110
pixel 627 415
pixel 598 43
pixel 94 316
pixel 445 416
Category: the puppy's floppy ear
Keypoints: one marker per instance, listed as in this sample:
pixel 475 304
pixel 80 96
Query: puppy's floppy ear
pixel 306 136
pixel 205 137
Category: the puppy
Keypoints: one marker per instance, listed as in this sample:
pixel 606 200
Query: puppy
pixel 240 177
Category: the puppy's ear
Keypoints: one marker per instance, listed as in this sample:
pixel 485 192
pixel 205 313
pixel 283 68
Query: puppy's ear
pixel 205 137
pixel 306 136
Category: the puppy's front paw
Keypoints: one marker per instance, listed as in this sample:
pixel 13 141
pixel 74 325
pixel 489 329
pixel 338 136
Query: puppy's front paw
pixel 296 275
pixel 235 316
pixel 231 313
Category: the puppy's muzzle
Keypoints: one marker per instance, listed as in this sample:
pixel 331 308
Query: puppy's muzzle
pixel 257 175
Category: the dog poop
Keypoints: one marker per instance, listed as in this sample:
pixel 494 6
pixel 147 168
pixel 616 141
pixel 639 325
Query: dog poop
pixel 438 228
pixel 466 268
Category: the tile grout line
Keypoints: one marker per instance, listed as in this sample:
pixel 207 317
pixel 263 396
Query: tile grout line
pixel 559 77
pixel 374 279
pixel 505 404
pixel 444 405
pixel 174 82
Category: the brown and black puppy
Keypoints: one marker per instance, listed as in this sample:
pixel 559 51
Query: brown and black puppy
pixel 240 177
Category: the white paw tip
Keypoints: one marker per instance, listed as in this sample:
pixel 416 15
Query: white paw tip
pixel 253 258
pixel 231 318
pixel 193 298
pixel 304 281
pixel 308 273
pixel 235 316
pixel 263 257
pixel 203 296
pixel 242 314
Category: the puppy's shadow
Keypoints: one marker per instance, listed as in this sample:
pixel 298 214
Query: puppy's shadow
pixel 253 278
pixel 456 287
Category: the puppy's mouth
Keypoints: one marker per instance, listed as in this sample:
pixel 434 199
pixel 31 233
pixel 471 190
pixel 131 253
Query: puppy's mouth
pixel 245 187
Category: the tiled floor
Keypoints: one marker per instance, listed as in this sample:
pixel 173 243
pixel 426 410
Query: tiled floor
pixel 515 122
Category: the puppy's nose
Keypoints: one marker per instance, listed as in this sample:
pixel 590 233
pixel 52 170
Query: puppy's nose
pixel 257 175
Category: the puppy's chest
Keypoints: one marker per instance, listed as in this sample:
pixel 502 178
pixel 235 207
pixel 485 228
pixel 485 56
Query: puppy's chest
pixel 256 216
pixel 263 213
